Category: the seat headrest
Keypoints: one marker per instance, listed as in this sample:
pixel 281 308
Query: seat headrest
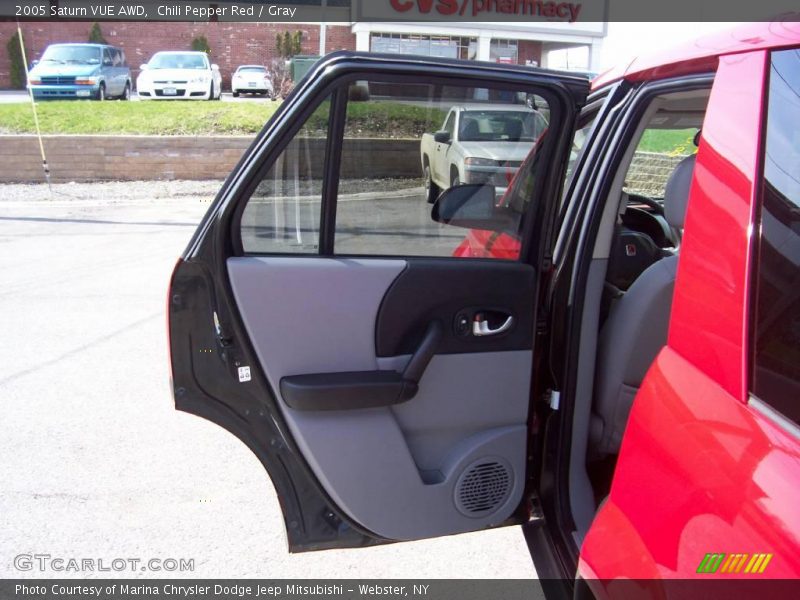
pixel 676 194
pixel 513 129
pixel 470 131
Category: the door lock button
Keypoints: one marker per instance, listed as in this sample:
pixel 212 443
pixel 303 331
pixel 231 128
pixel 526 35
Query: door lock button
pixel 463 324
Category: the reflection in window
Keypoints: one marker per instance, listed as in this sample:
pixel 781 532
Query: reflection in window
pixel 283 214
pixel 396 160
pixel 776 373
pixel 390 157
pixel 446 46
pixel 504 51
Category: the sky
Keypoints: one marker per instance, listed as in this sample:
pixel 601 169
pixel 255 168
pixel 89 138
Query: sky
pixel 626 40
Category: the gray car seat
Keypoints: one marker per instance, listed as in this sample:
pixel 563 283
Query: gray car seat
pixel 636 329
pixel 513 129
pixel 470 131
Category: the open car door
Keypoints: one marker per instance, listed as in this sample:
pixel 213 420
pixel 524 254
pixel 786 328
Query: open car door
pixel 319 314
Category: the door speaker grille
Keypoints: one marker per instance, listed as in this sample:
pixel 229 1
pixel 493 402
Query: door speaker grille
pixel 483 487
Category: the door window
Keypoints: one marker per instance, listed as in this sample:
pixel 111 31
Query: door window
pixel 283 213
pixel 379 198
pixel 382 209
pixel 450 125
pixel 776 331
pixel 663 145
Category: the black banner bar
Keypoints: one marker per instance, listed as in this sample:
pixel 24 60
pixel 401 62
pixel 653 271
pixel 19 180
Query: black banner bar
pixel 710 587
pixel 207 589
pixel 542 12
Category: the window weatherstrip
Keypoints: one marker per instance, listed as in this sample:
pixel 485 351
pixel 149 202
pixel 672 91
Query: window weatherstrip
pixel 773 415
pixel 331 173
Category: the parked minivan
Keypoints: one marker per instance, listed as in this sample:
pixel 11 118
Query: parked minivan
pixel 82 71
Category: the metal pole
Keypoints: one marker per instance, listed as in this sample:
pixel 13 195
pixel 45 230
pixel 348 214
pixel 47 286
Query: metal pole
pixel 33 106
pixel 323 30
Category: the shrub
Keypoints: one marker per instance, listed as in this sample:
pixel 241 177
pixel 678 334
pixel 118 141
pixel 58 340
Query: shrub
pixel 200 44
pixel 280 77
pixel 288 44
pixel 17 75
pixel 96 35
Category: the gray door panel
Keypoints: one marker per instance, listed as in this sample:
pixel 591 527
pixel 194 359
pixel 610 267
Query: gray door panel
pixel 402 472
pixel 461 395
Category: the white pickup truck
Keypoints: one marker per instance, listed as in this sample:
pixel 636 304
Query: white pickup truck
pixel 479 143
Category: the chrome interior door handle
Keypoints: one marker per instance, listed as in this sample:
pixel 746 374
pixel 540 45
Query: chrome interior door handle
pixel 480 327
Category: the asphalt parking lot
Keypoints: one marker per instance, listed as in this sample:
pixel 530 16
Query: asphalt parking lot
pixel 96 462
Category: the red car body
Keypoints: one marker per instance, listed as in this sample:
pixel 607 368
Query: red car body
pixel 719 471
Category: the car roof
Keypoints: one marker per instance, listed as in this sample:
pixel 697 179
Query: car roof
pixel 702 54
pixel 182 52
pixel 497 107
pixel 82 44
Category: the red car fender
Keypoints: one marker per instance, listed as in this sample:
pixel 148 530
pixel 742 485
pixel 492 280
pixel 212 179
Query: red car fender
pixel 701 471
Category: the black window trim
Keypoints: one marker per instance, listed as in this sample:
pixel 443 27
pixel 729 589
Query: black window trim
pixel 332 167
pixel 763 407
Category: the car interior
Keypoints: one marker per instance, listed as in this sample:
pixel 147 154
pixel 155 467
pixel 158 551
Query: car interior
pixel 631 281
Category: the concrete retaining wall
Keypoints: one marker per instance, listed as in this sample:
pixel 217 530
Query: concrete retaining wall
pixel 135 158
pixel 649 173
pixel 140 158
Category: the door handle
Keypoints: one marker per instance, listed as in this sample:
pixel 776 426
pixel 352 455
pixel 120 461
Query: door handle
pixel 480 326
pixel 362 389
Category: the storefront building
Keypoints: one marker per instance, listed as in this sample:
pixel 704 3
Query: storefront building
pixel 575 46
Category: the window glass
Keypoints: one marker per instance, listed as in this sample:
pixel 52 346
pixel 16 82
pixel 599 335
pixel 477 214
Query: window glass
pixel 662 147
pixel 391 171
pixel 503 51
pixel 178 60
pixel 426 45
pixel 450 124
pixel 283 214
pixel 383 204
pixel 585 126
pixel 72 54
pixel 776 339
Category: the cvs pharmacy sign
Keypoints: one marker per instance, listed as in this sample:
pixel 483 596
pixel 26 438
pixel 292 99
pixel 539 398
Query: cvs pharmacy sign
pixel 542 9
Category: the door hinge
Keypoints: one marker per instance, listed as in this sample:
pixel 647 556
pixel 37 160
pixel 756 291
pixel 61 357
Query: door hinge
pixel 541 326
pixel 535 512
pixel 554 399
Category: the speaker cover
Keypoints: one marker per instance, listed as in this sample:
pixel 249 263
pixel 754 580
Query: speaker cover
pixel 483 487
